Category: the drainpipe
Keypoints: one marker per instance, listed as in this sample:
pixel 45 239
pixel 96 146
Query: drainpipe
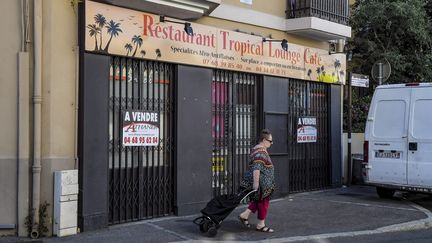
pixel 77 51
pixel 37 105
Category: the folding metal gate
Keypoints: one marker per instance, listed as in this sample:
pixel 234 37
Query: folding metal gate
pixel 234 126
pixel 140 178
pixel 309 162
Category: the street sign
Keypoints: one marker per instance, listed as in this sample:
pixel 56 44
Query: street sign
pixel 381 71
pixel 359 80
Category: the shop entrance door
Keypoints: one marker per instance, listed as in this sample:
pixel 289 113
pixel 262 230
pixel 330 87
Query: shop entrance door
pixel 296 112
pixel 234 127
pixel 309 163
pixel 140 177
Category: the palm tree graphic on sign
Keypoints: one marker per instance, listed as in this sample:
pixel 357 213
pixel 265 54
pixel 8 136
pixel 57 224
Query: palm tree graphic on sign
pixel 138 41
pixel 113 30
pixel 94 31
pixel 142 53
pixel 337 66
pixel 100 20
pixel 128 48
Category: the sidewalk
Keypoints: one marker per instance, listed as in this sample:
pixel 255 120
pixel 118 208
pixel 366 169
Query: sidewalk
pixel 338 212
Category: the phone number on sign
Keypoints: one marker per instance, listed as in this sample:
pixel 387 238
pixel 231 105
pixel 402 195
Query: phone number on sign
pixel 140 140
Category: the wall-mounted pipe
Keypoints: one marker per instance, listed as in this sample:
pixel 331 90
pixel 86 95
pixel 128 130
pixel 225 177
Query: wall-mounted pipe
pixel 77 51
pixel 37 110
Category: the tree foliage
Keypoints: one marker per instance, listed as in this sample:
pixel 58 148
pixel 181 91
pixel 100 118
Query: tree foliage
pixel 397 30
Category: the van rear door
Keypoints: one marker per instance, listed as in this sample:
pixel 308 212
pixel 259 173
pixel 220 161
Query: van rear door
pixel 388 141
pixel 420 138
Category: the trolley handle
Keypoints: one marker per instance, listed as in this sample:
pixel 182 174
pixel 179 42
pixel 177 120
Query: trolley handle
pixel 248 194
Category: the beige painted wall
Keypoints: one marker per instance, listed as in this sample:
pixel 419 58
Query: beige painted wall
pixel 357 140
pixel 9 48
pixel 58 92
pixel 272 7
pixel 229 25
pixel 58 99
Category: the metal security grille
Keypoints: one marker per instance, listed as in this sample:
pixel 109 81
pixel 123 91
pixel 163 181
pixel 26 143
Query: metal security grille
pixel 234 125
pixel 309 162
pixel 140 177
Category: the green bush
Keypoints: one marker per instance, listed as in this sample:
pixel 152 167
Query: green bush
pixel 43 222
pixel 359 112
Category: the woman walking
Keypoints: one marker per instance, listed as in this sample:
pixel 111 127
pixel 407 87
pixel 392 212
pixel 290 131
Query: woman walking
pixel 260 177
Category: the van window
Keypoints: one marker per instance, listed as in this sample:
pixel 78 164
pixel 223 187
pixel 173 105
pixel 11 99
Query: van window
pixel 389 121
pixel 422 119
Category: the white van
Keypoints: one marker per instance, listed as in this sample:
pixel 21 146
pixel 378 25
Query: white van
pixel 398 139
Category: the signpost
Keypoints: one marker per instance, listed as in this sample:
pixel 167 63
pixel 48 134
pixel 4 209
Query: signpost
pixel 357 80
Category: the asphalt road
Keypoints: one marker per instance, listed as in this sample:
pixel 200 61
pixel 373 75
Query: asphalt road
pixel 417 236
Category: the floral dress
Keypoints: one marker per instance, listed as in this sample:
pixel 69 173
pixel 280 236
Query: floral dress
pixel 259 159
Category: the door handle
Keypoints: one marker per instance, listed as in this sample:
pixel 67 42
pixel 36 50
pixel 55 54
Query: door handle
pixel 412 146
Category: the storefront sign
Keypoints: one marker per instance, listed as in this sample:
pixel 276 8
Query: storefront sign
pixel 306 130
pixel 140 128
pixel 120 31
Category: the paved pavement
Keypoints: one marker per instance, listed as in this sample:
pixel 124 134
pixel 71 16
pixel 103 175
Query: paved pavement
pixel 304 217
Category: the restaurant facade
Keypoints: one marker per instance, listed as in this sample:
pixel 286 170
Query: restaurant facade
pixel 157 110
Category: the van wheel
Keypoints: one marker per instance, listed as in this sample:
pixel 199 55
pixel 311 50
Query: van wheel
pixel 385 192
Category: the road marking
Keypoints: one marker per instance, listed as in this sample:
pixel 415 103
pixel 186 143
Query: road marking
pixel 424 210
pixel 360 204
pixel 151 223
pixel 170 232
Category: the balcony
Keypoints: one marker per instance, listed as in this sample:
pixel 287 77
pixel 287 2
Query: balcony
pixel 318 19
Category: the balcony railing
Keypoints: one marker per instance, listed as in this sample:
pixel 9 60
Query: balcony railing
pixel 332 10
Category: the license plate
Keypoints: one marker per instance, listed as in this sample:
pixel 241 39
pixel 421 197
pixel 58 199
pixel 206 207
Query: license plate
pixel 387 155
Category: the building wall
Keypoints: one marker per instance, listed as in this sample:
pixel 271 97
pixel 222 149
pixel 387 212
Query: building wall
pixel 59 37
pixel 276 8
pixel 265 32
pixel 59 77
pixel 357 140
pixel 59 102
pixel 9 48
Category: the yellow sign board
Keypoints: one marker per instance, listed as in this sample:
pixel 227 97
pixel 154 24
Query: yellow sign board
pixel 125 32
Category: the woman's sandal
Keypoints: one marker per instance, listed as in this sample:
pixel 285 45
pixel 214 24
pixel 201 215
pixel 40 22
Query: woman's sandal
pixel 245 222
pixel 265 229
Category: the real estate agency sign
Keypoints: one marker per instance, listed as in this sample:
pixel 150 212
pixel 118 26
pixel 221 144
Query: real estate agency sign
pixel 140 128
pixel 120 31
pixel 306 130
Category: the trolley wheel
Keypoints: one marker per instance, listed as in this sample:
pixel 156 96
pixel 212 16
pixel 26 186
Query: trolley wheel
pixel 212 231
pixel 204 227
